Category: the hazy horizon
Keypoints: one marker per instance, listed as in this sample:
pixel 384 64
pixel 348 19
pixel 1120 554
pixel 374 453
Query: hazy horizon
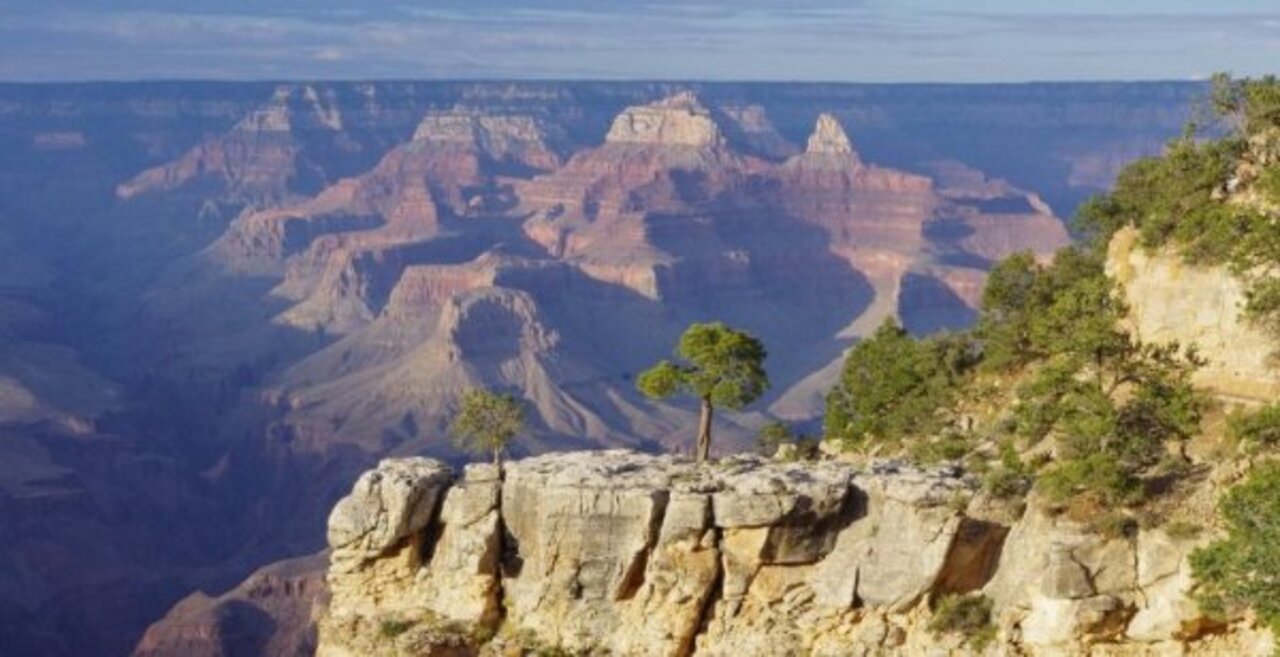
pixel 860 41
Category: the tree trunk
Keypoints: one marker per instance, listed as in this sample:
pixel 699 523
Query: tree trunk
pixel 704 432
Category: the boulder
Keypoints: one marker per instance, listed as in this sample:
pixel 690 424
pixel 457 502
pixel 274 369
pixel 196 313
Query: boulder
pixel 386 506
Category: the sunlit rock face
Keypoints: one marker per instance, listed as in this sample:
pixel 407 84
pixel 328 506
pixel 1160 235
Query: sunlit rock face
pixel 1171 301
pixel 614 552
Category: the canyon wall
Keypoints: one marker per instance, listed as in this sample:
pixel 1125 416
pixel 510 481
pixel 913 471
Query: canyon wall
pixel 614 552
pixel 1172 301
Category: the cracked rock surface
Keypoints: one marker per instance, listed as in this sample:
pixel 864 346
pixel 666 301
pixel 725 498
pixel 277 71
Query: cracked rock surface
pixel 621 553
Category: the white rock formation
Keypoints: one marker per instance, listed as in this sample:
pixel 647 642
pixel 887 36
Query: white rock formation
pixel 829 137
pixel 680 120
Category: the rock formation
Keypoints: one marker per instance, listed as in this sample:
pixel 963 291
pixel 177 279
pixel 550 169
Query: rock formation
pixel 679 120
pixel 270 613
pixel 666 220
pixel 829 138
pixel 1172 301
pixel 261 159
pixel 626 554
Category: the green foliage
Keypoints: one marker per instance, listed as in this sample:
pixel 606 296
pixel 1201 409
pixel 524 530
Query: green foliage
pixel 391 628
pixel 966 615
pixel 1111 418
pixel 1182 530
pixel 1260 427
pixel 772 435
pixel 775 434
pixel 1109 401
pixel 951 445
pixel 1011 478
pixel 1013 292
pixel 1102 474
pixel 1269 184
pixel 1243 569
pixel 1175 199
pixel 719 364
pixel 1249 105
pixel 893 386
pixel 1111 524
pixel 487 422
pixel 1170 198
pixel 1030 311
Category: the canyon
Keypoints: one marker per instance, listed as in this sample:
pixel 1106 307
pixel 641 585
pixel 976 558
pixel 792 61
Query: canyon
pixel 222 302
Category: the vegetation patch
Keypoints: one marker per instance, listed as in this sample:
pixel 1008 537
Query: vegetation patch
pixel 894 386
pixel 1242 570
pixel 1183 197
pixel 776 439
pixel 391 628
pixel 965 615
pixel 1257 428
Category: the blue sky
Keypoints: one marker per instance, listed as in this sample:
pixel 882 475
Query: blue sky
pixel 852 40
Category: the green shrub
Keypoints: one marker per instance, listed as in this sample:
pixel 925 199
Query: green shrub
pixel 1269 184
pixel 1174 199
pixel 948 447
pixel 1011 478
pixel 1259 427
pixel 775 434
pixel 894 386
pixel 1112 524
pixel 1183 530
pixel 1094 473
pixel 1242 570
pixel 966 615
pixel 391 628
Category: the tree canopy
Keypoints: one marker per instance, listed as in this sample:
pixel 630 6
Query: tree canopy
pixel 487 422
pixel 893 386
pixel 1243 569
pixel 718 365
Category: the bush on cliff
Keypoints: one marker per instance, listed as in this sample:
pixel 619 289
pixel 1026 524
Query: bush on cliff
pixel 1181 198
pixel 1256 428
pixel 1242 570
pixel 966 615
pixel 1109 402
pixel 721 366
pixel 894 386
pixel 487 422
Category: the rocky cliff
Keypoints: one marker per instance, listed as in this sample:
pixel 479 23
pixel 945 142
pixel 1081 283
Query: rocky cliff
pixel 1172 301
pixel 620 553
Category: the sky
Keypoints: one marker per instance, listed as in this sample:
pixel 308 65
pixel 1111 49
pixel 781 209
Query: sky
pixel 800 40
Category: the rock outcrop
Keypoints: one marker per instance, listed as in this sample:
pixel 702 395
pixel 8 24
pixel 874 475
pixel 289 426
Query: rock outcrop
pixel 829 138
pixel 620 553
pixel 261 158
pixel 270 613
pixel 1172 301
pixel 679 120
